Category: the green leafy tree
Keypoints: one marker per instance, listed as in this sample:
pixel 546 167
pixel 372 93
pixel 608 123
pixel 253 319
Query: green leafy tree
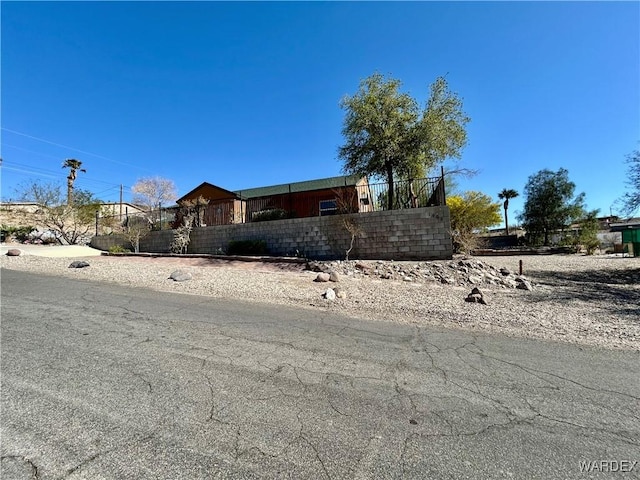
pixel 550 204
pixel 507 194
pixel 386 134
pixel 74 167
pixel 631 199
pixel 471 213
pixel 589 228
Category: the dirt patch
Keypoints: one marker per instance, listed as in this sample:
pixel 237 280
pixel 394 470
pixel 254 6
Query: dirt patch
pixel 177 262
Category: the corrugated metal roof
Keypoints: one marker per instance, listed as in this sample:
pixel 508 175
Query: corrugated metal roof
pixel 633 223
pixel 307 186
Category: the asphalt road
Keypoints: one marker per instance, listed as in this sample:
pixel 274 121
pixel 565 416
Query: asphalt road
pixel 105 382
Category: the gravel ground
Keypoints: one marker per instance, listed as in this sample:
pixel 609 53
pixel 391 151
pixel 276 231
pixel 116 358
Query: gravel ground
pixel 586 300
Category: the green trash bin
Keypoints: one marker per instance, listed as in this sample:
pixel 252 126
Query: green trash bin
pixel 632 237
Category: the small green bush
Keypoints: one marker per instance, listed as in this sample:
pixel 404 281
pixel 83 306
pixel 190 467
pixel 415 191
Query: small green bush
pixel 247 247
pixel 118 249
pixel 271 214
pixel 21 234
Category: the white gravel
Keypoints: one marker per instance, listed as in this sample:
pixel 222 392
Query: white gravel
pixel 579 299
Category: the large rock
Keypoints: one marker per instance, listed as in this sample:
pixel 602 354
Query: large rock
pixel 330 294
pixel 14 252
pixel 79 264
pixel 340 293
pixel 323 277
pixel 476 297
pixel 180 276
pixel 334 277
pixel 523 284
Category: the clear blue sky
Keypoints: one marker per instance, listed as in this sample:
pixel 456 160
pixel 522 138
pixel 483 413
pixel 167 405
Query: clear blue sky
pixel 247 94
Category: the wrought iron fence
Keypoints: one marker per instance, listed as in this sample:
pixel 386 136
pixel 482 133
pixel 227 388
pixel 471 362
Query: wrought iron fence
pixel 422 192
pixel 363 198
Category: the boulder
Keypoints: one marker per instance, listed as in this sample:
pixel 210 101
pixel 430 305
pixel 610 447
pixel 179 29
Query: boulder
pixel 329 294
pixel 523 284
pixel 334 277
pixel 78 264
pixel 340 293
pixel 475 297
pixel 14 252
pixel 505 272
pixel 322 277
pixel 362 266
pixel 180 276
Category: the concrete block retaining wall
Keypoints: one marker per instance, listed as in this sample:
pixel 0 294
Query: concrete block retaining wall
pixel 410 234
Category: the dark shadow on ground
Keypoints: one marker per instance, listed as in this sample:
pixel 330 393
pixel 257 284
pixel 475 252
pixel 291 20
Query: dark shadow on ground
pixel 619 289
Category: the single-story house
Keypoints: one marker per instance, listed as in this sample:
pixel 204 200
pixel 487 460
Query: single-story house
pixel 326 196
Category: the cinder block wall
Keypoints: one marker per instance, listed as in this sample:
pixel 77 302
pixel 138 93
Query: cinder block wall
pixel 410 234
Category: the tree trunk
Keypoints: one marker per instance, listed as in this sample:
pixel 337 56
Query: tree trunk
pixel 506 220
pixel 69 191
pixel 546 236
pixel 390 197
pixel 413 198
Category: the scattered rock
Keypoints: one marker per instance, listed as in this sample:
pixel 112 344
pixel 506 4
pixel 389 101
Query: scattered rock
pixel 363 267
pixel 340 293
pixel 78 264
pixel 476 297
pixel 322 277
pixel 180 276
pixel 334 277
pixel 523 284
pixel 454 272
pixel 316 267
pixel 14 252
pixel 330 294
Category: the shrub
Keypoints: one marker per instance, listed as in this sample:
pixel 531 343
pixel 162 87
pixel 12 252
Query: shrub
pixel 271 214
pixel 118 249
pixel 247 247
pixel 21 234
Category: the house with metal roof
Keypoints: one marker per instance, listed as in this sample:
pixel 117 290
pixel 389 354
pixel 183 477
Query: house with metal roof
pixel 325 196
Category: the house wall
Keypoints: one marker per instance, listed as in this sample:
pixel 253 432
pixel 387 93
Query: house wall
pixel 410 234
pixel 305 204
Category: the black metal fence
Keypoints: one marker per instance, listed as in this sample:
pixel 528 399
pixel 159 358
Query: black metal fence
pixel 368 197
pixel 422 192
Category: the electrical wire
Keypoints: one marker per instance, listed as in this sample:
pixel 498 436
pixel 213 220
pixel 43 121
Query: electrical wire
pixel 72 148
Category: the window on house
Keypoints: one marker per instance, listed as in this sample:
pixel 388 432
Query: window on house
pixel 328 207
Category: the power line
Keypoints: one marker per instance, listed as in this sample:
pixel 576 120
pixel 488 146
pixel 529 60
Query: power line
pixel 54 174
pixel 72 148
pixel 31 172
pixel 30 151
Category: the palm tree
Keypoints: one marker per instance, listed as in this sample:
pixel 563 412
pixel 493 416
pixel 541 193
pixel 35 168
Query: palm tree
pixel 506 194
pixel 74 166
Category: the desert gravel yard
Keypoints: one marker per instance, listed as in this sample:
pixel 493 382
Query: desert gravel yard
pixel 590 300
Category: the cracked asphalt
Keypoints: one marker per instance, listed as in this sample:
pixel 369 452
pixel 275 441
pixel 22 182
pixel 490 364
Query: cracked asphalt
pixel 101 381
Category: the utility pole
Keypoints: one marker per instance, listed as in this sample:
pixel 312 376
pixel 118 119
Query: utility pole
pixel 121 202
